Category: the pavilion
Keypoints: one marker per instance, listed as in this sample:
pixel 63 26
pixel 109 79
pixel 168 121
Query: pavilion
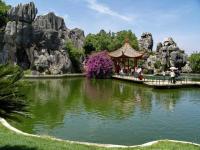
pixel 124 56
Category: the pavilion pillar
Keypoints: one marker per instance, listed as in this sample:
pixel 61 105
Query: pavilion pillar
pixel 129 65
pixel 135 62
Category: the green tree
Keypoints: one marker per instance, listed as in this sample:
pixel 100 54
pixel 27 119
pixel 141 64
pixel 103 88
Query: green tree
pixel 90 44
pixel 74 55
pixel 121 37
pixel 12 101
pixel 109 41
pixel 195 62
pixel 3 13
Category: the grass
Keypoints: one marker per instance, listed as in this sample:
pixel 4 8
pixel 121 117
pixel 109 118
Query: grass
pixel 12 141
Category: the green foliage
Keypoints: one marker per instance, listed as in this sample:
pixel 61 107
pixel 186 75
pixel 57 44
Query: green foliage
pixel 195 62
pixel 12 101
pixel 157 64
pixel 3 13
pixel 141 63
pixel 28 72
pixel 109 41
pixel 151 53
pixel 121 37
pixel 74 55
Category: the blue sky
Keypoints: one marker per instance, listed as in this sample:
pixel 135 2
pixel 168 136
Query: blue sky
pixel 179 19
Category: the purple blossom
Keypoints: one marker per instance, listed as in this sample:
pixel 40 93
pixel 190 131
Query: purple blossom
pixel 99 65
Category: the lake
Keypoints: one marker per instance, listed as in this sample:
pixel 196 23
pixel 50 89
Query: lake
pixel 111 111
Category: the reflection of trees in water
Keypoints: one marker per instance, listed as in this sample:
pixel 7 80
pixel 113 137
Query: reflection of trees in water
pixel 52 100
pixel 48 101
pixel 100 97
pixel 115 99
pixel 167 98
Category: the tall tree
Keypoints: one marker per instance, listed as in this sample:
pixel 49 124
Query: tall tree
pixel 195 62
pixel 3 13
pixel 121 37
pixel 109 41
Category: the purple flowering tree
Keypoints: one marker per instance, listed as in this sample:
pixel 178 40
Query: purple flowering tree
pixel 99 65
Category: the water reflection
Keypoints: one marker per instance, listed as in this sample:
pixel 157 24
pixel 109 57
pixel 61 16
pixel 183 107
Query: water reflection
pixel 52 99
pixel 62 103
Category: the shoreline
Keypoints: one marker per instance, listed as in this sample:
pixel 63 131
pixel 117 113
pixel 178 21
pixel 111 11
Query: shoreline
pixel 53 76
pixel 157 84
pixel 15 130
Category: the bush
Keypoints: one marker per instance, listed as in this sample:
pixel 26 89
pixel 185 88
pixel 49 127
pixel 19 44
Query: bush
pixel 157 64
pixel 12 101
pixel 75 56
pixel 195 62
pixel 99 65
pixel 3 13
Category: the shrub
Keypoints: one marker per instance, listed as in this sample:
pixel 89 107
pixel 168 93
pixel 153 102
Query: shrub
pixel 99 65
pixel 195 62
pixel 3 13
pixel 157 64
pixel 12 100
pixel 75 56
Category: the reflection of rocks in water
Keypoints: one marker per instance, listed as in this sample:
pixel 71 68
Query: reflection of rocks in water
pixel 168 99
pixel 54 100
pixel 47 90
pixel 121 88
pixel 143 99
pixel 47 102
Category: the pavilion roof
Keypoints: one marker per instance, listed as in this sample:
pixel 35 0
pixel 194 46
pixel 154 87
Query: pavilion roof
pixel 126 51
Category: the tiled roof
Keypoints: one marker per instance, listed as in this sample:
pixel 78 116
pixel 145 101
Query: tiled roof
pixel 126 51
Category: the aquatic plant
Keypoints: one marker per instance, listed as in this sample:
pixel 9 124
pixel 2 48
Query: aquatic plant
pixel 99 65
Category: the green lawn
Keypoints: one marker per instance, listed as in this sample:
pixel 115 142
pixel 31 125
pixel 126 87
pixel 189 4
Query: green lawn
pixel 12 141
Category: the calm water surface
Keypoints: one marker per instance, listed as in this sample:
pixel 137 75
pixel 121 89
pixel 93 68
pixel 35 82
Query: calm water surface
pixel 110 111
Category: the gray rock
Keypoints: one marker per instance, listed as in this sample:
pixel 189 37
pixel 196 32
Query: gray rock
pixel 168 42
pixel 159 46
pixel 49 21
pixel 38 44
pixel 23 13
pixel 187 68
pixel 171 54
pixel 77 36
pixel 146 42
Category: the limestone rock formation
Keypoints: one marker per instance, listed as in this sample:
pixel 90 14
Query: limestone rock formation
pixel 146 42
pixel 38 43
pixel 167 55
pixel 77 36
pixel 23 13
pixel 170 54
pixel 187 68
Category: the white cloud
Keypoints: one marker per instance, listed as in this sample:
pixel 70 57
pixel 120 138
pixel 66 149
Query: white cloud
pixel 101 8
